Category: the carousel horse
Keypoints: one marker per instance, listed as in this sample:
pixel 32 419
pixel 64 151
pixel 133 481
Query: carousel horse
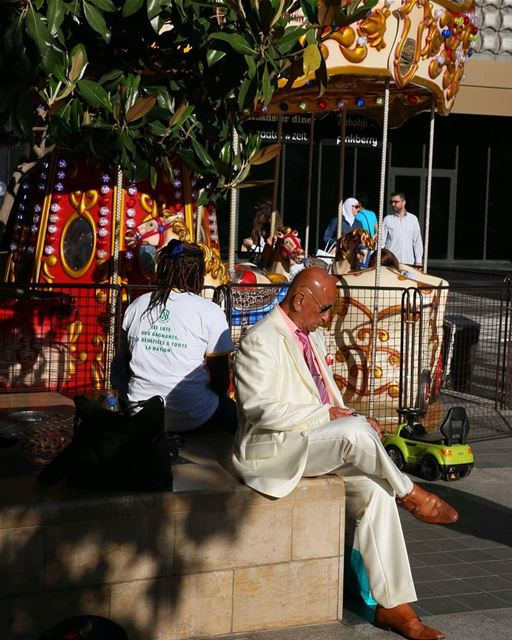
pixel 285 252
pixel 158 231
pixel 353 251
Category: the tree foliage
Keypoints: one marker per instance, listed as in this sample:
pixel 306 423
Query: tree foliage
pixel 139 82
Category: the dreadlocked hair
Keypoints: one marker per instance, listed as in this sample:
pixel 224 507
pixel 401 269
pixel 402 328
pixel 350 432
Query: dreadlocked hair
pixel 179 267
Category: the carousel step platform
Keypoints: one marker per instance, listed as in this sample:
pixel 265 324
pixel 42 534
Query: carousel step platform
pixel 211 558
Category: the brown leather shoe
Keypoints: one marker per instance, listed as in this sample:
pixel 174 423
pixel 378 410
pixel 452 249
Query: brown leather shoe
pixel 403 620
pixel 428 507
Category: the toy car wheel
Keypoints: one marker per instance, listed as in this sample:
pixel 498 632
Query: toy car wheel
pixel 430 469
pixel 397 456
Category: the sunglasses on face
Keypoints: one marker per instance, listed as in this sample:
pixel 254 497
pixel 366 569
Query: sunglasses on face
pixel 321 308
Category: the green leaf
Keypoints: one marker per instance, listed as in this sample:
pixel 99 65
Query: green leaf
pixel 78 63
pixel 38 30
pixel 141 107
pixel 312 59
pixel 247 93
pixel 202 154
pixel 251 66
pixel 189 158
pixel 237 42
pixel 96 21
pixel 131 6
pixel 213 56
pixel 105 5
pixel 55 15
pixel 94 94
pixel 249 184
pixel 154 8
pixel 111 79
pixel 266 154
pixel 267 88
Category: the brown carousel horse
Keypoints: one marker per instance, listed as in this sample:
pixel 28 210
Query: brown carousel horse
pixel 353 251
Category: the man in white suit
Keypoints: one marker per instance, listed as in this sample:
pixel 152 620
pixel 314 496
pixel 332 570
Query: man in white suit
pixel 293 423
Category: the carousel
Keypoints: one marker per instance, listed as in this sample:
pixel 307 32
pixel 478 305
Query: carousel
pixel 80 236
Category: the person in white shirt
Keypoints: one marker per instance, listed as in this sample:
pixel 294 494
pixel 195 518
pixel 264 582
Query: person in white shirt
pixel 401 232
pixel 177 345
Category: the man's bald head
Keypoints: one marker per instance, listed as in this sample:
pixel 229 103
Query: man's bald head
pixel 310 297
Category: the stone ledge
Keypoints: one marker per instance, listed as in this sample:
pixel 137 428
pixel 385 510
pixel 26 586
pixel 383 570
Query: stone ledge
pixel 211 558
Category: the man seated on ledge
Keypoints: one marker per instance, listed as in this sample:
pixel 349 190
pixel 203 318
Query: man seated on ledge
pixel 293 424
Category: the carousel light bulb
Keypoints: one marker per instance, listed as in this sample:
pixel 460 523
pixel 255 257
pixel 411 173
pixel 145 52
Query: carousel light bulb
pixel 388 3
pixel 177 184
pixel 18 227
pixel 440 58
pixel 21 207
pixel 101 254
pixel 361 41
pixel 31 248
pixel 340 104
pixel 19 216
pixel 105 178
pixel 130 223
pixel 310 83
pixel 412 99
pixel 470 52
pixel 51 228
pixel 322 104
pixel 360 103
pixel 177 171
pixel 104 211
pixel 36 219
pixel 303 105
pixel 102 232
pixel 105 189
pixel 61 175
pixel 34 228
pixel 438 14
pixel 49 250
pixel 13 246
pixel 446 32
pixel 130 212
pixel 53 218
pixel 129 255
pixel 103 222
pixel 379 101
pixel 59 186
pixel 177 195
pixel 62 164
pixel 132 190
pixel 42 187
pixel 46 164
pixel 43 176
pixel 25 186
pixel 264 108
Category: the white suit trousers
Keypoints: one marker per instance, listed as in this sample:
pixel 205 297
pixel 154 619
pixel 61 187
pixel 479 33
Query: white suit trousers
pixel 350 448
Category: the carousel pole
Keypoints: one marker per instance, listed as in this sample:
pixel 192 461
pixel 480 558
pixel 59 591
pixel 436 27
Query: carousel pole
pixel 199 217
pixel 429 185
pixel 277 166
pixel 233 213
pixel 341 179
pixel 310 182
pixel 382 193
pixel 114 293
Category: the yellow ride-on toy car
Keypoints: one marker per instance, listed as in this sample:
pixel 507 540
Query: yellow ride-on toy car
pixel 441 454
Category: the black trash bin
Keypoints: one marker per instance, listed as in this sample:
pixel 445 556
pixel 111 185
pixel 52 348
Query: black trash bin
pixel 460 338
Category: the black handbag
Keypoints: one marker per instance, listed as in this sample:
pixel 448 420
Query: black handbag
pixel 111 450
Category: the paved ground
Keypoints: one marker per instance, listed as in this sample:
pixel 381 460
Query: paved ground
pixel 463 573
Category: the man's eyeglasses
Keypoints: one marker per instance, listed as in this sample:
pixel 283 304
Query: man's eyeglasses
pixel 321 308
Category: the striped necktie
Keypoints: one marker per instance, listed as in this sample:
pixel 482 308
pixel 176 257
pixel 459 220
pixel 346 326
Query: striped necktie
pixel 310 361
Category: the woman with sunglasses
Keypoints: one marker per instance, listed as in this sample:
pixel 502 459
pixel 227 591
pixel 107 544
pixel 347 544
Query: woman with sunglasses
pixel 350 209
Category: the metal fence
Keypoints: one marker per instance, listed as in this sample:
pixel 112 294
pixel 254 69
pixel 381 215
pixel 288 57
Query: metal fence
pixel 439 350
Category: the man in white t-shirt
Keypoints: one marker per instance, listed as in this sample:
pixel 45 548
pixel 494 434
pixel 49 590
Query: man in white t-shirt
pixel 177 345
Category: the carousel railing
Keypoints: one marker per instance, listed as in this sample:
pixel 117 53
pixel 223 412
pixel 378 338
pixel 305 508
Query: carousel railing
pixel 54 337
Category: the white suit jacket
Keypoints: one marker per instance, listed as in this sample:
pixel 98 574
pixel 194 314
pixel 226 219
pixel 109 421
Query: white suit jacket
pixel 278 403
